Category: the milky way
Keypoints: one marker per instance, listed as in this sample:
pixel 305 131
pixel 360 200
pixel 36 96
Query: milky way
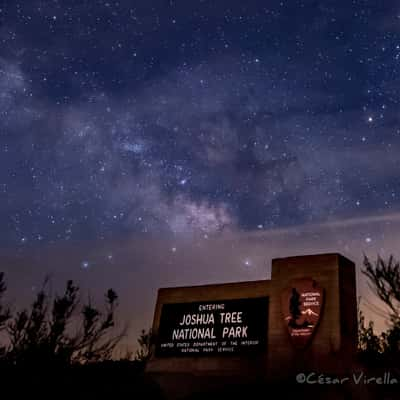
pixel 190 120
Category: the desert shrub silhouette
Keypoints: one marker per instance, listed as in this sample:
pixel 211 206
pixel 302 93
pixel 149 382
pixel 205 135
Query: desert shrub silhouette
pixel 60 349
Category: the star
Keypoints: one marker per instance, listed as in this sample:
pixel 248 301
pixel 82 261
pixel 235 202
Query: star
pixel 85 264
pixel 247 262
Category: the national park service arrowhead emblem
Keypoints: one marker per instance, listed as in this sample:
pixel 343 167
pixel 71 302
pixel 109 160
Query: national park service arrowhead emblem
pixel 302 304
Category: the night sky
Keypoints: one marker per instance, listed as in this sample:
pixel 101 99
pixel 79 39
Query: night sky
pixel 156 143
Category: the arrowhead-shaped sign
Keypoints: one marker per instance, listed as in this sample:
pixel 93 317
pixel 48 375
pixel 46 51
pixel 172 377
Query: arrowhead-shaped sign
pixel 302 304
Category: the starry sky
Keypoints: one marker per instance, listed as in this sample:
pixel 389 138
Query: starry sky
pixel 156 143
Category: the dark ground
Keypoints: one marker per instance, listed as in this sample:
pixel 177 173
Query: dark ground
pixel 126 380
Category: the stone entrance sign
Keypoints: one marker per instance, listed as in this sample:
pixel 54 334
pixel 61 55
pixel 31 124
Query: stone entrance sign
pixel 303 318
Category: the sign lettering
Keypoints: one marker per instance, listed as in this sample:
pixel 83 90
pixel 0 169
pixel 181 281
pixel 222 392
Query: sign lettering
pixel 213 328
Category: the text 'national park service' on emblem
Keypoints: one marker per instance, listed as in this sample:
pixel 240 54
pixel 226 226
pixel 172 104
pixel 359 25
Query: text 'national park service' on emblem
pixel 302 304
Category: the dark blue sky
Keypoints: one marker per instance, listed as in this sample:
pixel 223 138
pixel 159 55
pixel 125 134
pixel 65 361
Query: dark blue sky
pixel 183 116
pixel 186 120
